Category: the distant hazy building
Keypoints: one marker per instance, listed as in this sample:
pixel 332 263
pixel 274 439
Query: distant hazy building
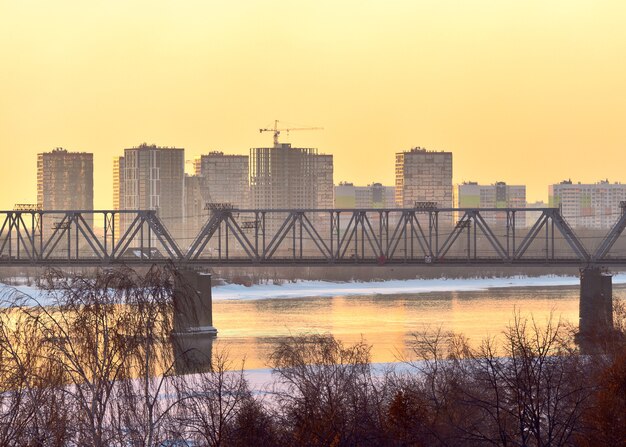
pixel 289 177
pixel 594 205
pixel 226 178
pixel 374 195
pixel 424 176
pixel 532 216
pixel 498 195
pixel 65 180
pixel 151 178
pixel 196 212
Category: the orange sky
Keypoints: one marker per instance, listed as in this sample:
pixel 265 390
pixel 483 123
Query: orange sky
pixel 520 91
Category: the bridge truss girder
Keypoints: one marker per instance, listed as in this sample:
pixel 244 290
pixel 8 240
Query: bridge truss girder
pixel 379 236
pixel 286 237
pixel 26 239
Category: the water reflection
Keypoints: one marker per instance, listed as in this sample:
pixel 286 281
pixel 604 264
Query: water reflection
pixel 250 328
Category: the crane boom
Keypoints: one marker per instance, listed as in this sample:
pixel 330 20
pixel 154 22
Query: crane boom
pixel 277 131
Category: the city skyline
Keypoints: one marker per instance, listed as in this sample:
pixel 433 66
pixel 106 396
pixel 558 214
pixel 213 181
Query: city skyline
pixel 526 92
pixel 194 170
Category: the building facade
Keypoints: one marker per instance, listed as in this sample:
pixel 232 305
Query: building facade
pixel 196 212
pixel 497 195
pixel 424 176
pixel 226 178
pixel 289 177
pixel 593 206
pixel 65 180
pixel 374 195
pixel 151 178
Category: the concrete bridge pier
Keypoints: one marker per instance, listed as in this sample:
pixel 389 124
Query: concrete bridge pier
pixel 596 306
pixel 194 332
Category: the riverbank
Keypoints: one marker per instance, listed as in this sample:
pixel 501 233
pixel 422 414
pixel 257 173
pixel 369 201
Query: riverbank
pixel 303 289
pixel 257 275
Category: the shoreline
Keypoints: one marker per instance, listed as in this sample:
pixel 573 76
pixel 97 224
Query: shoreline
pixel 306 288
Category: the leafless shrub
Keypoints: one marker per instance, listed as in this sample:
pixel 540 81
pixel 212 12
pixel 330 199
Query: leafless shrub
pixel 213 399
pixel 531 389
pixel 327 395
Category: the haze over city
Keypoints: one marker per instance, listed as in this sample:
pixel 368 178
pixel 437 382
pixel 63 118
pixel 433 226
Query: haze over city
pixel 524 92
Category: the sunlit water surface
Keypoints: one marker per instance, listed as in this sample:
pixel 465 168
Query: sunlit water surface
pixel 250 328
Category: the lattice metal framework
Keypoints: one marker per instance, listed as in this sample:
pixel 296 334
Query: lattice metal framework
pixel 420 235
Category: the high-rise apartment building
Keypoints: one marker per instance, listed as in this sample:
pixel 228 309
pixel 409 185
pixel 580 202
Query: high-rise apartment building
pixel 595 206
pixel 152 178
pixel 226 178
pixel 65 180
pixel 424 176
pixel 118 188
pixel 375 195
pixel 498 195
pixel 289 177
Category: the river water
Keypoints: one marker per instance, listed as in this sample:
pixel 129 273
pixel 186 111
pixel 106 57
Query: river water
pixel 249 328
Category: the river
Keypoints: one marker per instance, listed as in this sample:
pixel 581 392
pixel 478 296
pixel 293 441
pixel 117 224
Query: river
pixel 250 327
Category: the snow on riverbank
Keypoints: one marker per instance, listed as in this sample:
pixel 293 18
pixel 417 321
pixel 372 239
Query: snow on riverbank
pixel 413 286
pixel 299 289
pixel 28 295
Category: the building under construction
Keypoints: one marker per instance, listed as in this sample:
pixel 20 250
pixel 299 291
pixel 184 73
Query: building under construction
pixel 290 177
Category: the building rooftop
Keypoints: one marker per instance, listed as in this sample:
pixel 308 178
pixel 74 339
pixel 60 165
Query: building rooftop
pixel 154 146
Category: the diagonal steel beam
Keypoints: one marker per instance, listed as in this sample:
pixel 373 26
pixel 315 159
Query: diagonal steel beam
pixel 55 237
pixel 316 238
pixel 569 235
pixel 90 236
pixel 369 232
pixel 491 237
pixel 396 236
pixel 288 224
pixel 166 239
pixel 454 235
pixel 421 236
pixel 207 232
pixel 243 240
pixel 610 239
pixel 127 237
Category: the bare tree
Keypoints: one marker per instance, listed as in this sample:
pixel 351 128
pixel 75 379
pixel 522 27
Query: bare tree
pixel 212 401
pixel 326 392
pixel 529 391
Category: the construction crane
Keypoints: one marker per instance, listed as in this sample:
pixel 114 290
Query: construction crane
pixel 277 131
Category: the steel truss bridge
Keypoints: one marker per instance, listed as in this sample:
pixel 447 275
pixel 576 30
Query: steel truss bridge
pixel 416 236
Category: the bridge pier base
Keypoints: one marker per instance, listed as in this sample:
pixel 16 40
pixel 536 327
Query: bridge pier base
pixel 595 320
pixel 194 332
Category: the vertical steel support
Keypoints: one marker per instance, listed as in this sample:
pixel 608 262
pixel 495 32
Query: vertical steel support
pixel 293 236
pixel 301 245
pixel 547 246
pixel 141 225
pixel 226 239
pixel 76 236
pixel 263 234
pixel 552 226
pixel 475 245
pixel 331 215
pixel 219 240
